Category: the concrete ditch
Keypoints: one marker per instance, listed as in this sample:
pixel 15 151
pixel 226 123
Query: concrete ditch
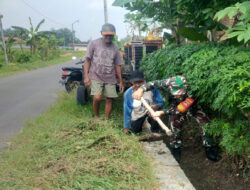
pixel 167 169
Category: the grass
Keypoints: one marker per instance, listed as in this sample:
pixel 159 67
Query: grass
pixel 14 68
pixel 66 148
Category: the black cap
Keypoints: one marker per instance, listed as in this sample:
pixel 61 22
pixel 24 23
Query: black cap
pixel 108 29
pixel 136 76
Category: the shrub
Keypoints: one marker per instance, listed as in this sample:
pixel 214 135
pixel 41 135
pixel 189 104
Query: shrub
pixel 219 76
pixel 23 57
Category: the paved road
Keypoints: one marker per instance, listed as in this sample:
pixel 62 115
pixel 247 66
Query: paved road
pixel 25 96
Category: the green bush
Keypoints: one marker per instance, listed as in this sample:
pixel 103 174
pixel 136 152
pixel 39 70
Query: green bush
pixel 219 76
pixel 23 57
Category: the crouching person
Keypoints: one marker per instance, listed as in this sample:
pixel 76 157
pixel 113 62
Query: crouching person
pixel 181 103
pixel 134 111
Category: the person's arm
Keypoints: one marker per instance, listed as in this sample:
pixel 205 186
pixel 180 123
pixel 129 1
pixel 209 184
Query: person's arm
pixel 118 62
pixel 157 99
pixel 88 58
pixel 157 84
pixel 86 72
pixel 119 74
pixel 127 108
pixel 171 111
pixel 166 112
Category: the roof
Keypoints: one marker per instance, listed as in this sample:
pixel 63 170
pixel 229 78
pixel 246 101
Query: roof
pixel 15 38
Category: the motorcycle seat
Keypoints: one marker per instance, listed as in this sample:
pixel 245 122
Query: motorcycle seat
pixel 71 68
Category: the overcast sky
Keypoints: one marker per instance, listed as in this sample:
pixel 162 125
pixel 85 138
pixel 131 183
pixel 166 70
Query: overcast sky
pixel 62 13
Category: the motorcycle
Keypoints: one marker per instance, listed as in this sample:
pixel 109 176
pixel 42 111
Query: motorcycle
pixel 71 78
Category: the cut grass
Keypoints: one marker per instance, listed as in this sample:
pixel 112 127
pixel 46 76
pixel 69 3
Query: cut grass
pixel 14 68
pixel 66 148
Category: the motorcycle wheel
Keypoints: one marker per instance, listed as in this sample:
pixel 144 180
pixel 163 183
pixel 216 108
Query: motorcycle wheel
pixel 81 95
pixel 70 85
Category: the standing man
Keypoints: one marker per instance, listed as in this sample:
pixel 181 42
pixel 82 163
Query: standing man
pixel 103 62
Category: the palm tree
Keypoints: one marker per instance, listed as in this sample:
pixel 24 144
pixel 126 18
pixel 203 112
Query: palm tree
pixel 32 35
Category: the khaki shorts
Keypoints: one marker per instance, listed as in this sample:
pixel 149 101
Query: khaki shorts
pixel 98 87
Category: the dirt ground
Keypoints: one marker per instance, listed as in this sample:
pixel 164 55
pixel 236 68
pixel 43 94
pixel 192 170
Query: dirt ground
pixel 205 174
pixel 66 54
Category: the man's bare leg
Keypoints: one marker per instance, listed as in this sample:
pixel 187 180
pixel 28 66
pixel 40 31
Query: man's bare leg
pixel 108 107
pixel 96 104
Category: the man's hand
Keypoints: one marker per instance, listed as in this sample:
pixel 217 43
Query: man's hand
pixel 121 87
pixel 138 94
pixel 87 80
pixel 155 108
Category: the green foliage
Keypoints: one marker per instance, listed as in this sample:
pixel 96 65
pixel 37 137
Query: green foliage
pixel 167 61
pixel 235 134
pixel 175 14
pixel 192 34
pixel 241 12
pixel 33 35
pixel 224 75
pixel 219 76
pixel 136 21
pixel 23 57
pixel 35 61
pixel 167 36
pixel 121 3
pixel 48 47
pixel 116 42
pixel 65 34
pixel 44 48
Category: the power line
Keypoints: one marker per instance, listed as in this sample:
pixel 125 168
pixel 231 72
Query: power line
pixel 40 13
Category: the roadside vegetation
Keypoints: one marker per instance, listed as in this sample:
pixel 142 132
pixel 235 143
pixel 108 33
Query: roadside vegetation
pixel 65 148
pixel 35 63
pixel 43 48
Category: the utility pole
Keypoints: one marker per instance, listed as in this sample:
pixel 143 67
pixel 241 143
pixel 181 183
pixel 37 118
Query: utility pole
pixel 105 12
pixel 73 32
pixel 3 41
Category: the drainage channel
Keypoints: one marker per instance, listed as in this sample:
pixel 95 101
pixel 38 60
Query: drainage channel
pixel 167 169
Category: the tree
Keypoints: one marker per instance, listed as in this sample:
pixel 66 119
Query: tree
pixel 136 21
pixel 66 34
pixel 48 45
pixel 177 14
pixel 240 12
pixel 32 35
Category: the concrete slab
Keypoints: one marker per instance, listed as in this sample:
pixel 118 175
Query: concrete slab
pixel 167 169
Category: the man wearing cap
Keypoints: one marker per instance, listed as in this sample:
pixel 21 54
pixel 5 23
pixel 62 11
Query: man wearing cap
pixel 180 101
pixel 134 111
pixel 103 62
